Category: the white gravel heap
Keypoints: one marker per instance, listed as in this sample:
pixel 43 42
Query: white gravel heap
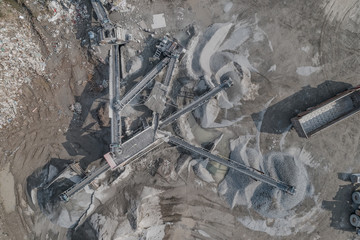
pixel 20 61
pixel 219 53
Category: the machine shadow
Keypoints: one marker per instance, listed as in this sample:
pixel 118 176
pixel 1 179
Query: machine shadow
pixel 344 176
pixel 87 142
pixel 82 139
pixel 276 119
pixel 341 208
pixel 42 180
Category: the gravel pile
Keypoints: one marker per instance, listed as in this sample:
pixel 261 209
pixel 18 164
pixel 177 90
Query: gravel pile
pixel 20 61
pixel 218 54
pixel 268 201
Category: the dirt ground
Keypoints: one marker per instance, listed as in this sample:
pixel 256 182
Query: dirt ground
pixel 306 52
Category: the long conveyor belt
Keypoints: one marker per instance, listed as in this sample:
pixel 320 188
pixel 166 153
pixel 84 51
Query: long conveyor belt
pixel 142 84
pixel 85 181
pixel 114 94
pixel 133 149
pixel 170 71
pixel 234 165
pixel 195 104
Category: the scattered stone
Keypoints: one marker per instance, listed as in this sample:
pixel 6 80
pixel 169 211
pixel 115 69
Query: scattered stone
pixel 75 108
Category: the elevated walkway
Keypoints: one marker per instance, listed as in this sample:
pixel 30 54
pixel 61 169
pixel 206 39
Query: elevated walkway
pixel 114 98
pixel 169 71
pixel 135 145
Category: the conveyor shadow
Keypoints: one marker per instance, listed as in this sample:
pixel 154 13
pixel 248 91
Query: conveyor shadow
pixel 47 187
pixel 86 140
pixel 276 119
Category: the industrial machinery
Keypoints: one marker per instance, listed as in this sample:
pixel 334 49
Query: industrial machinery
pixel 121 153
pixel 143 142
pixel 109 33
pixel 327 113
pixel 355 196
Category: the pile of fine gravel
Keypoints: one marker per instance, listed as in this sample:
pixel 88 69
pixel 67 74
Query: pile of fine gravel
pixel 268 201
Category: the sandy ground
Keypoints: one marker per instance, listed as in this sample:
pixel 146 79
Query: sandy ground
pixel 298 54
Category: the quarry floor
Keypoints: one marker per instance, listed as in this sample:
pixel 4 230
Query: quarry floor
pixel 310 53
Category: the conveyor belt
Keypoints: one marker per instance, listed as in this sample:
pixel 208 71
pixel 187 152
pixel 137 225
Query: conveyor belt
pixel 195 104
pixel 170 71
pixel 85 181
pixel 114 92
pixel 133 149
pixel 234 165
pixel 142 84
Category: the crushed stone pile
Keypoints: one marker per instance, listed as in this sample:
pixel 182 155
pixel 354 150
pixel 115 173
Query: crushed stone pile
pixel 21 60
pixel 220 53
pixel 46 195
pixel 20 54
pixel 268 201
pixel 66 11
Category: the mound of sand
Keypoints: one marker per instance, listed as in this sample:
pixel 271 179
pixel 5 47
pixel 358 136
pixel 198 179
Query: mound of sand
pixel 60 213
pixel 268 201
pixel 219 54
